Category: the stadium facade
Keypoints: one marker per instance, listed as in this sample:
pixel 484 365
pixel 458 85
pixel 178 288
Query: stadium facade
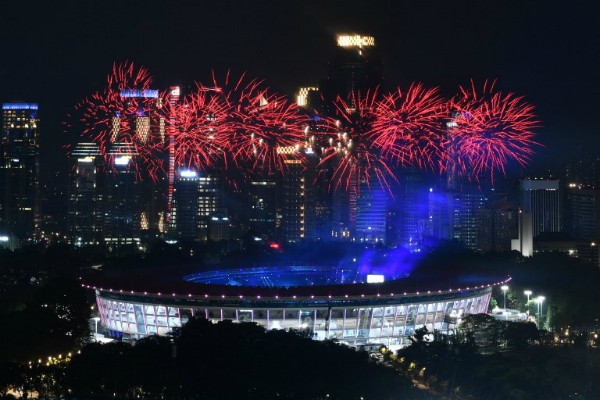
pixel 357 314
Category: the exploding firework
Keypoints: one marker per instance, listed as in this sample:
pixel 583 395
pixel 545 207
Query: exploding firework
pixel 351 149
pixel 199 127
pixel 407 127
pixel 263 128
pixel 124 118
pixel 489 130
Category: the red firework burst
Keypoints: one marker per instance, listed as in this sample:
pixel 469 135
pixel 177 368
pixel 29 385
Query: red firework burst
pixel 356 159
pixel 491 129
pixel 263 127
pixel 408 127
pixel 199 127
pixel 125 119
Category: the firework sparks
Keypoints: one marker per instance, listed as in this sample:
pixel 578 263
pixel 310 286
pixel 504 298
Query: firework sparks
pixel 407 127
pixel 491 129
pixel 356 159
pixel 124 118
pixel 199 127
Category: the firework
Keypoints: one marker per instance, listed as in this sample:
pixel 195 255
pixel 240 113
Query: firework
pixel 489 130
pixel 124 118
pixel 407 127
pixel 262 127
pixel 351 149
pixel 200 130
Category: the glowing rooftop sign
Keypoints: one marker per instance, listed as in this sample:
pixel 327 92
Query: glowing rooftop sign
pixel 146 93
pixel 19 106
pixel 355 41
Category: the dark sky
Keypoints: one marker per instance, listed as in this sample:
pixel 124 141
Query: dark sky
pixel 546 50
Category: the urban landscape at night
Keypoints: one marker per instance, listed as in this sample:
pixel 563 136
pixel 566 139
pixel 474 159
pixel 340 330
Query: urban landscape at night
pixel 340 200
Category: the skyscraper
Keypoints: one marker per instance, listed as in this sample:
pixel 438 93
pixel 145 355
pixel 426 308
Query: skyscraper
pixel 184 213
pixel 354 68
pixel 122 220
pixel 19 170
pixel 541 198
pixel 371 214
pixel 85 201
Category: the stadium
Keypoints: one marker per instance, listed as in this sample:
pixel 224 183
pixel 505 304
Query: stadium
pixel 327 302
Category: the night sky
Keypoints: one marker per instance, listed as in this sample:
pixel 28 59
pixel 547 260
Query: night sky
pixel 547 51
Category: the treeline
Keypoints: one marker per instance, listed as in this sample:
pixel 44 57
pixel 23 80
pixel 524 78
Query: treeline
pixel 488 359
pixel 221 361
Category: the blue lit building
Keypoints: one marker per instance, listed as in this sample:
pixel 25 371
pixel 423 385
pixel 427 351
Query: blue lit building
pixel 19 170
pixel 371 214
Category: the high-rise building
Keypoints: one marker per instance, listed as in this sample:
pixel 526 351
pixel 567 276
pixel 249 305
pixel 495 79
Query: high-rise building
pixel 19 170
pixel 262 204
pixel 466 217
pixel 184 211
pixel 371 214
pixel 293 196
pixel 498 225
pixel 85 201
pixel 209 201
pixel 354 68
pixel 456 215
pixel 583 213
pixel 541 198
pixel 122 217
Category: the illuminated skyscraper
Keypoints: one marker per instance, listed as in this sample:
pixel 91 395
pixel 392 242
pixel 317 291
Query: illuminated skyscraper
pixel 184 213
pixel 122 220
pixel 371 214
pixel 210 199
pixel 262 204
pixel 354 68
pixel 19 170
pixel 85 205
pixel 541 198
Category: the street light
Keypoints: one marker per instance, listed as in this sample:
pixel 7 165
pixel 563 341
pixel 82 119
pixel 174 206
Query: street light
pixel 539 300
pixel 504 290
pixel 528 293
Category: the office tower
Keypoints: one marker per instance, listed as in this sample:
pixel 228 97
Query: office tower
pixel 184 211
pixel 466 214
pixel 219 226
pixel 371 214
pixel 498 225
pixel 412 210
pixel 456 215
pixel 354 68
pixel 147 128
pixel 209 201
pixel 19 170
pixel 541 198
pixel 122 222
pixel 292 194
pixel 174 95
pixel 85 197
pixel 583 206
pixel 439 224
pixel 262 204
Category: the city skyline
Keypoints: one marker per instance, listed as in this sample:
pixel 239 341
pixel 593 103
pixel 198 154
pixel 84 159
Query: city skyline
pixel 525 47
